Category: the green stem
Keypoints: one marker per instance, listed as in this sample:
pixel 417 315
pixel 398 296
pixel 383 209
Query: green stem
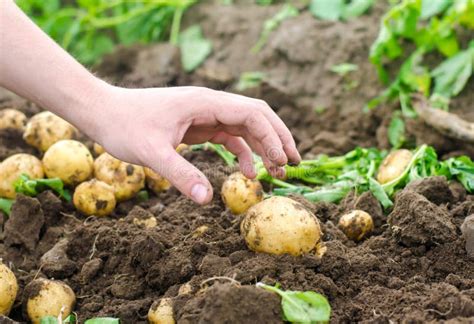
pixel 176 25
pixel 6 205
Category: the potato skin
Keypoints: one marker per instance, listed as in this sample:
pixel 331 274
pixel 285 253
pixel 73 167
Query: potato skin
pixel 13 167
pixel 12 118
pixel 98 149
pixel 161 312
pixel 156 182
pixel 68 160
pixel 127 179
pixel 356 225
pixel 8 289
pixel 240 193
pixel 94 197
pixel 280 225
pixel 45 129
pixel 393 165
pixel 50 296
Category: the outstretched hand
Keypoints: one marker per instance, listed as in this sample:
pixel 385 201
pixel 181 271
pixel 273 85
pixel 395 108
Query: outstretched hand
pixel 144 126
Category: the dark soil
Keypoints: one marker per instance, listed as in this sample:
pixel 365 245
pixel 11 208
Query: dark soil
pixel 414 268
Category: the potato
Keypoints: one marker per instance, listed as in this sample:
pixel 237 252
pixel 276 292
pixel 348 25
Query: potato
pixel 156 182
pixel 240 193
pixel 45 129
pixel 69 161
pixel 98 149
pixel 393 165
pixel 280 225
pixel 12 118
pixel 149 222
pixel 94 197
pixel 48 298
pixel 8 289
pixel 127 179
pixel 356 225
pixel 161 312
pixel 13 167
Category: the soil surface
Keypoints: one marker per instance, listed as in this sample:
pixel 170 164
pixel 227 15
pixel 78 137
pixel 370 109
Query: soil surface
pixel 413 268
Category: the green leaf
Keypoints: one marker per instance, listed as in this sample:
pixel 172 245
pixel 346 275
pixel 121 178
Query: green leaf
pixel 302 307
pixel 194 48
pixel 6 205
pixel 431 8
pixel 103 320
pixel 451 75
pixel 356 8
pixel 327 9
pixel 49 320
pixel 396 132
pixel 249 80
pixel 32 187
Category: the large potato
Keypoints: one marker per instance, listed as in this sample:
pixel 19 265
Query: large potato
pixel 69 161
pixel 156 182
pixel 45 129
pixel 240 193
pixel 161 312
pixel 127 179
pixel 94 197
pixel 12 118
pixel 13 167
pixel 280 225
pixel 356 225
pixel 48 298
pixel 8 289
pixel 393 165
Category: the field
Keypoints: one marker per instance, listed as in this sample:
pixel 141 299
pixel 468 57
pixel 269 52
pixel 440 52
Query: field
pixel 413 268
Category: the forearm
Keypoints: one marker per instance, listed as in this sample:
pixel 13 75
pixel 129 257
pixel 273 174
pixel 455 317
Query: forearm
pixel 35 67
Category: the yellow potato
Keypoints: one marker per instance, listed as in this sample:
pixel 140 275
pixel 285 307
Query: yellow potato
pixel 94 197
pixel 13 167
pixel 69 161
pixel 98 149
pixel 280 225
pixel 150 222
pixel 356 225
pixel 161 312
pixel 8 289
pixel 156 182
pixel 240 193
pixel 48 298
pixel 127 179
pixel 393 165
pixel 12 118
pixel 45 129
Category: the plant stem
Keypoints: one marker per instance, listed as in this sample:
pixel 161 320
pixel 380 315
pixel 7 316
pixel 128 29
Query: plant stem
pixel 176 25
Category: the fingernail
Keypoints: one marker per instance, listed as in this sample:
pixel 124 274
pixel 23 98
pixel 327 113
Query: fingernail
pixel 199 193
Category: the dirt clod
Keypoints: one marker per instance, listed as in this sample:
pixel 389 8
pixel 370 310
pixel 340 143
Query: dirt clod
pixel 467 229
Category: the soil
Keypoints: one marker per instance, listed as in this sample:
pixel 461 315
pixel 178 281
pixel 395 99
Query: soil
pixel 414 268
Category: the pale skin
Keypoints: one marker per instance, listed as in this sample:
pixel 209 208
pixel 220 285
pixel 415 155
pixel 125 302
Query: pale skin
pixel 141 126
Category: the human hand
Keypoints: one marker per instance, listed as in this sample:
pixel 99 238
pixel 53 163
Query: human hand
pixel 144 126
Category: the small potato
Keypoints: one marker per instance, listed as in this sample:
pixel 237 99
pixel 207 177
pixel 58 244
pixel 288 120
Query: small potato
pixel 8 289
pixel 356 225
pixel 98 149
pixel 240 193
pixel 393 165
pixel 149 222
pixel 161 312
pixel 69 161
pixel 156 182
pixel 13 119
pixel 94 197
pixel 280 225
pixel 45 129
pixel 48 298
pixel 13 167
pixel 127 179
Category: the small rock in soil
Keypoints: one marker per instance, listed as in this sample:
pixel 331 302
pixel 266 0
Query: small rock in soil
pixel 90 269
pixel 55 262
pixel 467 229
pixel 25 223
pixel 435 189
pixel 417 221
pixel 231 304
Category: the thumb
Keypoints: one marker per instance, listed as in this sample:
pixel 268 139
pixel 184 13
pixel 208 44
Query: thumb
pixel 182 174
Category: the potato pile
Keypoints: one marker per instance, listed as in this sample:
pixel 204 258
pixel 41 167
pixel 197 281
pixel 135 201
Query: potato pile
pixel 99 185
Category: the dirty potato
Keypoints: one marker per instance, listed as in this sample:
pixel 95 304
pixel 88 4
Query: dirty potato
pixel 393 165
pixel 13 167
pixel 12 119
pixel 356 225
pixel 8 289
pixel 156 182
pixel 94 197
pixel 240 193
pixel 161 312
